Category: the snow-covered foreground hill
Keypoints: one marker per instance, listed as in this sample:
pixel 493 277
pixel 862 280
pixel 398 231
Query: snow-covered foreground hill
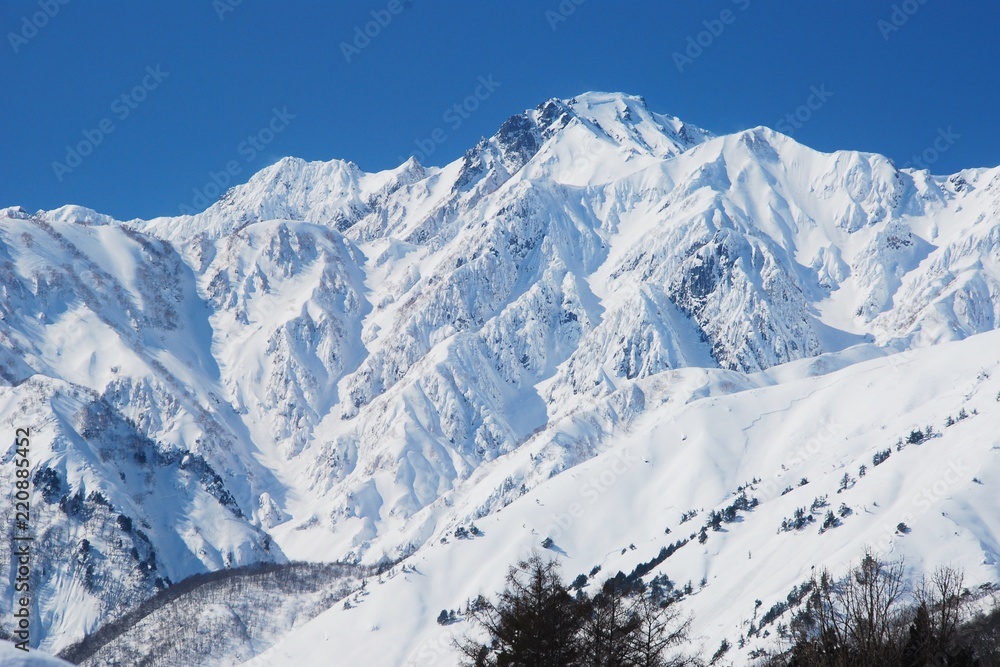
pixel 12 657
pixel 706 434
pixel 333 364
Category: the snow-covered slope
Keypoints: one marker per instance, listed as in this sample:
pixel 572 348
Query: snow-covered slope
pixel 224 617
pixel 13 657
pixel 334 364
pixel 708 437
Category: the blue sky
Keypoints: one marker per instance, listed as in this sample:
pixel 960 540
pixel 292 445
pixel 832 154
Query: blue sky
pixel 161 95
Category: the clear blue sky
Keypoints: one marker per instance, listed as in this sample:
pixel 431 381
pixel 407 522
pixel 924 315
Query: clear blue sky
pixel 893 91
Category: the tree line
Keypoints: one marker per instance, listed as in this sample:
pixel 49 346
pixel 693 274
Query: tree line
pixel 868 618
pixel 871 618
pixel 537 621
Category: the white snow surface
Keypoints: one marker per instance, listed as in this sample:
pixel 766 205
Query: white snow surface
pixel 14 657
pixel 333 364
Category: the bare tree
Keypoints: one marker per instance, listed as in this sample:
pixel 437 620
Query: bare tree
pixel 869 619
pixel 854 621
pixel 659 630
pixel 941 607
pixel 871 598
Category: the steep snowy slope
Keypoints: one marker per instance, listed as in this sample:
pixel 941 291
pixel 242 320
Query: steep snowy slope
pixel 717 433
pixel 115 514
pixel 221 618
pixel 329 363
pixel 137 476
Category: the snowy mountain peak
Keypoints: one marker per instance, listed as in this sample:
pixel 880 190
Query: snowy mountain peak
pixel 581 140
pixel 14 213
pixel 77 214
pixel 613 112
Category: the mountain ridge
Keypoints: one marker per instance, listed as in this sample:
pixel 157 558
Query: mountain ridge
pixel 352 364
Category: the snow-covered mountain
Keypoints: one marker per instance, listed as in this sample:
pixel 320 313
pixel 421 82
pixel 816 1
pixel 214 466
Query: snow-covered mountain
pixel 782 440
pixel 332 364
